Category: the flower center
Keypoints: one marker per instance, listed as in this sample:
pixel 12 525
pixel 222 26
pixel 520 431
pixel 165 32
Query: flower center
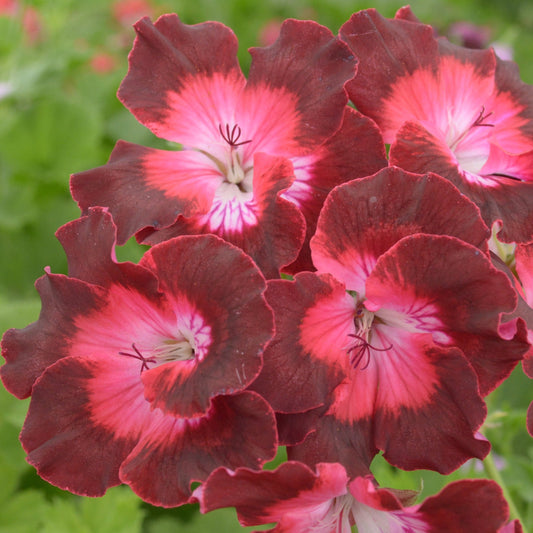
pixel 478 122
pixel 234 170
pixel 166 352
pixel 338 516
pixel 360 348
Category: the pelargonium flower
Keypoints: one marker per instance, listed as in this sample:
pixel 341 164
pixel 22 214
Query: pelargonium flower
pixel 398 331
pixel 461 113
pixel 184 83
pixel 137 373
pixel 300 500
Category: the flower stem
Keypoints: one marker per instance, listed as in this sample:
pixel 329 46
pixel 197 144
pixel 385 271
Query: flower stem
pixel 493 473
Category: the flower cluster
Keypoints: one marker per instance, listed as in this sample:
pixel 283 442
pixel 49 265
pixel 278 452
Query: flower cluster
pixel 325 272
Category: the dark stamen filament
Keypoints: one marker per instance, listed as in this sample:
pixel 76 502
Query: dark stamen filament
pixel 138 355
pixel 232 136
pixel 481 117
pixel 360 350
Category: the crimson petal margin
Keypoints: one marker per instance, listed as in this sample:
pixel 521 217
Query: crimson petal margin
pixel 308 61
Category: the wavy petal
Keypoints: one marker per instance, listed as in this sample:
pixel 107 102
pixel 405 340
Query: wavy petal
pixel 238 431
pixel 362 219
pixel 182 75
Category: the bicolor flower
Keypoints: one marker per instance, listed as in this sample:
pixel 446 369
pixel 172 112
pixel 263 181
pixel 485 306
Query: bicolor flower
pixel 137 373
pixel 184 83
pixel 300 500
pixel 398 331
pixel 463 114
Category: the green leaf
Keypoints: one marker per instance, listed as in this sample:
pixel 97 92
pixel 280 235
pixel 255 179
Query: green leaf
pixel 117 512
pixel 23 513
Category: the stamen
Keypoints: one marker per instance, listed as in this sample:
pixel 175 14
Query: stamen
pixel 232 136
pixel 362 348
pixel 481 117
pixel 138 355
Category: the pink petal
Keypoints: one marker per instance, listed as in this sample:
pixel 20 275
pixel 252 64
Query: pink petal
pixel 181 75
pixel 29 351
pixel 147 187
pixel 85 417
pixel 292 495
pixel 500 196
pixel 303 355
pixel 338 160
pixel 308 62
pixel 387 51
pixel 463 305
pixel 362 219
pixel 478 505
pixel 216 293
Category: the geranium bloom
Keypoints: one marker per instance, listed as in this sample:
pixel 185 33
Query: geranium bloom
pixel 398 330
pixel 137 372
pixel 185 84
pixel 461 113
pixel 302 501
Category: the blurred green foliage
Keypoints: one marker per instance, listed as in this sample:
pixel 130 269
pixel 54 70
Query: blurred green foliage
pixel 59 115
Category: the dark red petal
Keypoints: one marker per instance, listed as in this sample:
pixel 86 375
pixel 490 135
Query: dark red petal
pixel 440 435
pixel 145 187
pixel 85 417
pixel 335 442
pixel 308 62
pixel 499 198
pixel 355 151
pixel 269 228
pixel 478 505
pixel 29 351
pixel 416 401
pixel 387 50
pixel 313 318
pixel 294 428
pixel 238 431
pixel 292 495
pixel 362 219
pixel 463 296
pixel 168 58
pixel 89 243
pixel 215 288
